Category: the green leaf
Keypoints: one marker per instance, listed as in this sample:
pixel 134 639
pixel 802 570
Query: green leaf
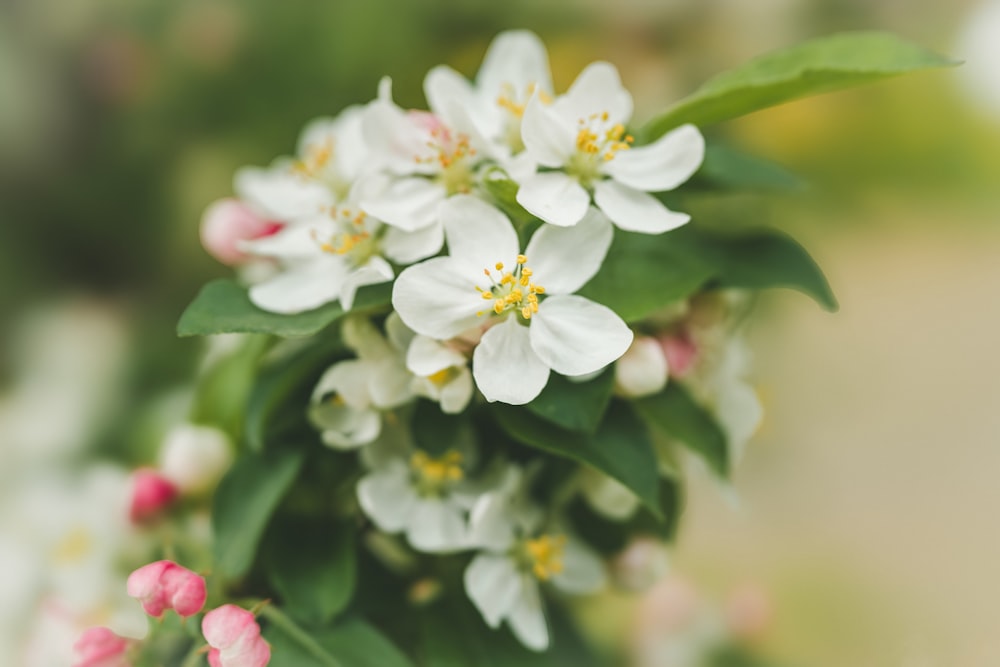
pixel 817 66
pixel 760 260
pixel 352 643
pixel 642 273
pixel 244 502
pixel 312 564
pixel 610 536
pixel 731 169
pixel 620 447
pixel 221 392
pixel 577 406
pixel 223 306
pixel 503 190
pixel 674 412
pixel 280 395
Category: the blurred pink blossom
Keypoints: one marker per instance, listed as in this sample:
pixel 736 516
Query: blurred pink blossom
pixel 151 494
pixel 234 636
pixel 100 647
pixel 226 223
pixel 166 585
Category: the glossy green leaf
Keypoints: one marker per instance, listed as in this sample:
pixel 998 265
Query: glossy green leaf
pixel 644 272
pixel 244 502
pixel 281 392
pixel 352 643
pixel 503 190
pixel 312 564
pixel 620 447
pixel 760 260
pixel 817 66
pixel 674 412
pixel 223 306
pixel 577 406
pixel 221 392
pixel 730 169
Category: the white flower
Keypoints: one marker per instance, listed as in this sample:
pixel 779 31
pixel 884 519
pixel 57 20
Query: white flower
pixel 540 325
pixel 428 160
pixel 348 401
pixel 503 580
pixel 195 457
pixel 642 370
pixel 583 134
pixel 441 373
pixel 514 68
pixel 426 497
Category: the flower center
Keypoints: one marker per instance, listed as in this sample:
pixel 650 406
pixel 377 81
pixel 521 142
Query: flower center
pixel 511 290
pixel 597 141
pixel 514 103
pixel 317 156
pixel 451 153
pixel 544 555
pixel 433 476
pixel 443 376
pixel 353 237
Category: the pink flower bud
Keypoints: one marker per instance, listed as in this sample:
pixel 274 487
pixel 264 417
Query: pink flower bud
pixel 227 222
pixel 151 494
pixel 100 647
pixel 681 353
pixel 234 636
pixel 166 585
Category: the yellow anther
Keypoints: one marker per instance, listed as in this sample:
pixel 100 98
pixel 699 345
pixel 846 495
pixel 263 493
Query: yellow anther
pixel 436 472
pixel 441 377
pixel 545 555
pixel 498 306
pixel 499 266
pixel 521 259
pixel 526 312
pixel 539 289
pixel 486 295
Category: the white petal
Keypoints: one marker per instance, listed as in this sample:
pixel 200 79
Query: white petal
pixel 394 138
pixel 634 210
pixel 505 366
pixel 444 87
pixel 478 234
pixel 344 427
pixel 390 383
pixel 554 197
pixel 387 497
pixel 278 193
pixel 490 526
pixel 348 380
pixel 373 272
pixel 493 584
pixel 427 356
pixel 516 58
pixel 574 335
pixel 548 138
pixel 437 298
pixel 583 571
pixel 456 394
pixel 294 242
pixel 409 203
pixel 663 164
pixel 436 526
pixel 563 259
pixel 642 370
pixel 400 336
pixel 364 338
pixel 527 619
pixel 301 288
pixel 597 89
pixel 408 247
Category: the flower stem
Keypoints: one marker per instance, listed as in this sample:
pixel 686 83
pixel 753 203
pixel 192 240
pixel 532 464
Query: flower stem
pixel 299 636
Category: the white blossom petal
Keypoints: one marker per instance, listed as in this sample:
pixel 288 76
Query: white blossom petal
pixel 303 287
pixel 516 58
pixel 345 427
pixel 642 370
pixel 426 356
pixel 574 335
pixel 387 497
pixel 405 247
pixel 436 526
pixel 390 384
pixel 478 234
pixel 281 194
pixel 662 165
pixel 444 87
pixel 409 203
pixel 598 89
pixel 549 139
pixel 527 619
pixel 349 381
pixel 563 259
pixel 373 272
pixel 493 583
pixel 293 242
pixel 554 197
pixel 400 336
pixel 634 210
pixel 457 393
pixel 506 367
pixel 489 522
pixel 437 298
pixel 583 572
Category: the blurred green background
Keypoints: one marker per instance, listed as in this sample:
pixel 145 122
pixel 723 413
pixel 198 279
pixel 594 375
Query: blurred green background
pixel 868 502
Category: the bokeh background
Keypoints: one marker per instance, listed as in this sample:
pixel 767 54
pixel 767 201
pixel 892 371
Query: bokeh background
pixel 867 506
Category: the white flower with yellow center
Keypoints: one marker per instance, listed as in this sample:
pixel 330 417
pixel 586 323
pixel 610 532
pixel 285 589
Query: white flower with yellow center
pixel 441 373
pixel 534 323
pixel 348 402
pixel 514 68
pixel 428 160
pixel 427 497
pixel 503 580
pixel 581 138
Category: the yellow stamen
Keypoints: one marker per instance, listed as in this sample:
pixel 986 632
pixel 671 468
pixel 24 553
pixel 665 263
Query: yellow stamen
pixel 545 555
